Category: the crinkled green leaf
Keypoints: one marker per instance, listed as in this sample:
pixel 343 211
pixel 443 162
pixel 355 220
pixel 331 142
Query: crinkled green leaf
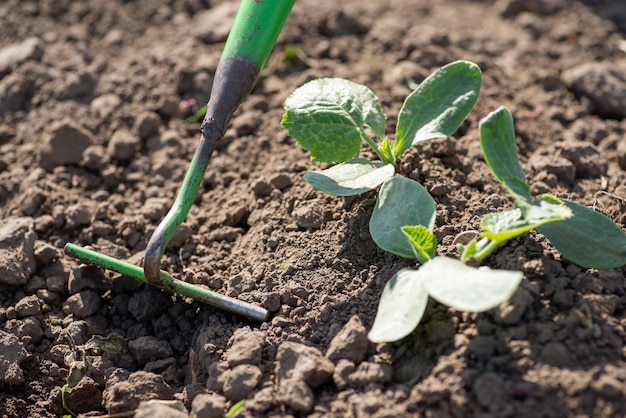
pixel 497 140
pixel 439 105
pixel 401 201
pixel 401 307
pixel 350 178
pixel 327 116
pixel 501 226
pixel 466 288
pixel 423 241
pixel 589 238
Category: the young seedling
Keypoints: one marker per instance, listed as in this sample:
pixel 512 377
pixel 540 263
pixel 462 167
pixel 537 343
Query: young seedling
pixel 584 236
pixel 331 118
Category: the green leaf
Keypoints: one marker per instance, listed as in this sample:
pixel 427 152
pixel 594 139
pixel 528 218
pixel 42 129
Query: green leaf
pixel 423 241
pixel 350 178
pixel 439 105
pixel 589 238
pixel 327 116
pixel 467 288
pixel 501 226
pixel 401 202
pixel 497 140
pixel 235 409
pixel 401 307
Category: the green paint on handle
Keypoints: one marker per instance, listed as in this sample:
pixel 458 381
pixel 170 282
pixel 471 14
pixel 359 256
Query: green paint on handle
pixel 255 29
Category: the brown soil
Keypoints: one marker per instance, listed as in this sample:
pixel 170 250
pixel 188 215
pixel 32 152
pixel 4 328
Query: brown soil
pixel 110 75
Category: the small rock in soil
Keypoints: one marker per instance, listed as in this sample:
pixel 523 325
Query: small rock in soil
pixel 302 362
pixel 85 396
pixel 147 348
pixel 511 312
pixel 76 86
pixel 213 25
pixel 124 391
pixel 586 158
pixel 208 406
pixel 308 215
pixel 28 330
pixel 78 332
pixel 95 158
pixel 105 105
pixel 77 215
pixel 160 366
pixel 490 391
pixel 483 347
pixel 281 181
pixel 64 145
pixel 28 306
pixel 87 277
pixel 367 373
pixel 17 258
pixel 148 303
pixel 343 369
pixel 14 93
pixel 350 343
pixel 56 283
pixel 12 56
pixel 296 394
pixel 44 252
pixel 147 124
pixel 123 146
pixel 603 84
pixel 247 347
pixel 180 237
pixel 82 304
pixel 556 354
pixel 12 353
pixel 261 188
pixel 161 409
pixel 240 381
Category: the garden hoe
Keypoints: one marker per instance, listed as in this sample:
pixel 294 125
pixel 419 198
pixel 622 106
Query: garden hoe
pixel 251 39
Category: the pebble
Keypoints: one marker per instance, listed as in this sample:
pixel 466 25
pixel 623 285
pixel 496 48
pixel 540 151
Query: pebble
pixel 208 406
pixel 308 215
pixel 76 85
pixel 281 181
pixel 247 347
pixel 511 312
pixel 483 347
pixel 35 283
pixel 147 124
pixel 350 343
pixel 87 277
pixel 28 329
pixel 85 396
pixel 14 92
pixel 56 283
pixel 28 306
pixel 147 348
pixel 12 353
pixel 490 391
pixel 82 304
pixel 304 363
pixel 148 303
pixel 44 253
pixel 296 394
pixel 105 105
pixel 556 354
pixel 156 408
pixel 77 215
pixel 12 56
pixel 17 258
pixel 65 144
pixel 125 391
pixel 586 158
pixel 367 373
pixel 240 381
pixel 603 84
pixel 262 188
pixel 123 146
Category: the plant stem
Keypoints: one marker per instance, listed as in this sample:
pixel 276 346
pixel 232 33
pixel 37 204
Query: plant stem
pixel 374 146
pixel 485 247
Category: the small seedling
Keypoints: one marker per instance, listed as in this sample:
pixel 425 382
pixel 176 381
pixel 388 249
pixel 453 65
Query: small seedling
pixel 584 236
pixel 332 117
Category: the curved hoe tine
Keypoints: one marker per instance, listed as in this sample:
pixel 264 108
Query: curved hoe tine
pixel 176 215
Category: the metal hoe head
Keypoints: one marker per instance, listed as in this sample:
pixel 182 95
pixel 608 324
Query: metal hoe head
pixel 251 39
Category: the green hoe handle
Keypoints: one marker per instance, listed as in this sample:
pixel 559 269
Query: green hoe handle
pixel 251 39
